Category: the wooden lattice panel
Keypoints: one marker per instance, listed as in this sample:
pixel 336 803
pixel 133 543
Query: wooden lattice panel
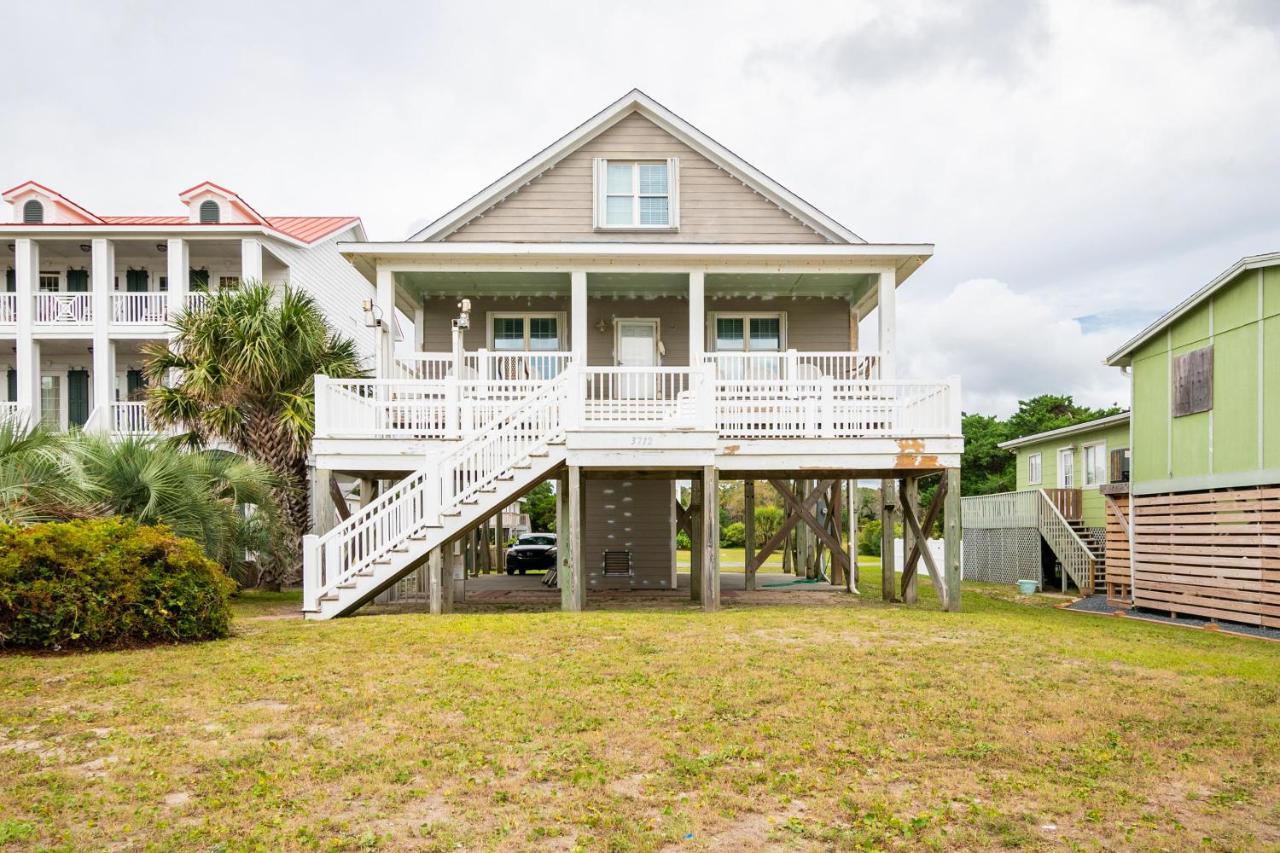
pixel 1117 575
pixel 1214 554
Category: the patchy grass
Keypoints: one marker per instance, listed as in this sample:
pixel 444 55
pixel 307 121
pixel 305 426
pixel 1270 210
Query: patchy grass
pixel 827 722
pixel 735 560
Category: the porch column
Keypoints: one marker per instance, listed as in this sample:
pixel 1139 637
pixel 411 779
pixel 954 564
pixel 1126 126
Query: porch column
pixel 573 592
pixel 855 504
pixel 710 539
pixel 749 532
pixel 911 489
pixel 437 581
pixel 578 315
pixel 104 349
pixel 178 262
pixel 27 361
pixel 697 317
pixel 888 322
pixel 562 529
pixel 250 259
pixel 696 538
pixel 951 539
pixel 384 351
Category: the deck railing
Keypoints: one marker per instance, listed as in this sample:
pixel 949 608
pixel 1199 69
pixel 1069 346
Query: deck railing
pixel 793 364
pixel 64 308
pixel 9 411
pixel 129 418
pixel 196 300
pixel 831 408
pixel 485 365
pixel 638 397
pixel 411 408
pixel 1069 502
pixel 1003 510
pixel 144 308
pixel 8 308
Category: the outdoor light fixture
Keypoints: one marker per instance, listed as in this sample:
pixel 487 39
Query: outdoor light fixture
pixel 601 326
pixel 463 320
pixel 85 247
pixel 372 316
pixel 162 247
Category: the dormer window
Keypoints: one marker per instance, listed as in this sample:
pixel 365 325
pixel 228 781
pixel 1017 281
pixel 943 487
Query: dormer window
pixel 636 194
pixel 209 212
pixel 33 212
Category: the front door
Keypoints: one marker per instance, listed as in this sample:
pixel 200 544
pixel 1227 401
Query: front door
pixel 636 345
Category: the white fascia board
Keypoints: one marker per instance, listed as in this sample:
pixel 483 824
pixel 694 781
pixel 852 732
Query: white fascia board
pixel 159 232
pixel 638 101
pixel 1120 358
pixel 1064 432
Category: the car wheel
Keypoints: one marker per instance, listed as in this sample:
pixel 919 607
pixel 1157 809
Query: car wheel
pixel 522 571
pixel 510 570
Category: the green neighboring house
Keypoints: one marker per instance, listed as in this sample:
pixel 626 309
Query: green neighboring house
pixel 1075 457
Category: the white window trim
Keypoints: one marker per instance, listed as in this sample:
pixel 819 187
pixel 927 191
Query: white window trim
pixel 1084 458
pixel 747 316
pixel 1062 484
pixel 658 348
pixel 1039 478
pixel 600 179
pixel 558 316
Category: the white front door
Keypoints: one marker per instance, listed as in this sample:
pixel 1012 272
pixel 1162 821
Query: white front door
pixel 1066 468
pixel 636 345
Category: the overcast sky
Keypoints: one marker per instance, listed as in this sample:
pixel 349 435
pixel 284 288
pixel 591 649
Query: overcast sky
pixel 1081 166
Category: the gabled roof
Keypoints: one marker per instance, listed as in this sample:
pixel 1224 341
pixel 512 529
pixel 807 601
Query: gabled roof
pixel 637 101
pixel 304 229
pixel 1122 356
pixel 1064 432
pixel 13 192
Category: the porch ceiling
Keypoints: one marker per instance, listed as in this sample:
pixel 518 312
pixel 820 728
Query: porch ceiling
pixel 458 284
pixel 850 286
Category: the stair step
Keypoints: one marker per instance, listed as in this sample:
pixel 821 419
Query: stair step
pixel 329 596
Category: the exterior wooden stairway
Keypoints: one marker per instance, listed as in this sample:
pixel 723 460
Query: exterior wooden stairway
pixel 375 547
pixel 1058 519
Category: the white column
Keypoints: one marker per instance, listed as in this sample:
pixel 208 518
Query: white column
pixel 27 361
pixel 578 315
pixel 419 324
pixel 178 258
pixel 887 312
pixel 103 277
pixel 386 310
pixel 250 259
pixel 697 317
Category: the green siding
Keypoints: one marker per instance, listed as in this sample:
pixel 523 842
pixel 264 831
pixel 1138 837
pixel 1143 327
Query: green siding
pixel 1093 508
pixel 1220 447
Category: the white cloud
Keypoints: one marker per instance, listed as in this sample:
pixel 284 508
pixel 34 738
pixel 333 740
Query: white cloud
pixel 1007 346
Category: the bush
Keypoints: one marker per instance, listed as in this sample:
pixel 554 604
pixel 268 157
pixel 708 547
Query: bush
pixel 106 582
pixel 682 540
pixel 768 520
pixel 733 535
pixel 869 538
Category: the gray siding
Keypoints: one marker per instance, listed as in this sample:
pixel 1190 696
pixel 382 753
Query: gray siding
pixel 634 515
pixel 715 207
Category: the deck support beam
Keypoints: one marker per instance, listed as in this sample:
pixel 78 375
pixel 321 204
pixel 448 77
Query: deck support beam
pixel 439 583
pixel 888 574
pixel 695 517
pixel 800 511
pixel 573 593
pixel 855 504
pixel 749 532
pixel 710 539
pixel 951 539
pixel 909 500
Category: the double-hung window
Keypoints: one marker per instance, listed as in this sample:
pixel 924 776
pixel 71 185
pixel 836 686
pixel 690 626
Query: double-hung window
pixel 1094 464
pixel 637 194
pixel 525 333
pixel 749 334
pixel 1034 469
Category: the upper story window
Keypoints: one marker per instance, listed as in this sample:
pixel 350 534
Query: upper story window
pixel 1095 469
pixel 209 212
pixel 748 332
pixel 33 212
pixel 1034 469
pixel 637 194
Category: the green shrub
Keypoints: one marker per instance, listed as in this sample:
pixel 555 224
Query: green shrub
pixel 869 538
pixel 733 535
pixel 682 540
pixel 105 582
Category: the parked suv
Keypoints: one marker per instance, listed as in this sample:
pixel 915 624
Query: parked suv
pixel 532 551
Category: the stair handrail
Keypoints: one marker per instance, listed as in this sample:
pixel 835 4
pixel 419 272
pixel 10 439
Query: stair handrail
pixel 442 482
pixel 1053 524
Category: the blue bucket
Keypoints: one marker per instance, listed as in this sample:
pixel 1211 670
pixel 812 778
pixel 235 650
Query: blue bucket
pixel 1028 587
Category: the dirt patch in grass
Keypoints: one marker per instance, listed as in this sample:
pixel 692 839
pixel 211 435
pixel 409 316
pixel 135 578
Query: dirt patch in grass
pixel 790 720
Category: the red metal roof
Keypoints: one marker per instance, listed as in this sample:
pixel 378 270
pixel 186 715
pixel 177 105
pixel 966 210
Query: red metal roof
pixel 309 229
pixel 144 220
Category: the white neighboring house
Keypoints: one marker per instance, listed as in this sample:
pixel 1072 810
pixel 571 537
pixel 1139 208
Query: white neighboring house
pixel 84 292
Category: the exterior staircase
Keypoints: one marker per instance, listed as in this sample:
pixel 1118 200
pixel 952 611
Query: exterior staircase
pixel 1096 541
pixel 386 540
pixel 1065 537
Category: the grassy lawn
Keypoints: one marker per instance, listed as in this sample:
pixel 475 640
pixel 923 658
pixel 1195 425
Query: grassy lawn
pixel 734 560
pixel 827 722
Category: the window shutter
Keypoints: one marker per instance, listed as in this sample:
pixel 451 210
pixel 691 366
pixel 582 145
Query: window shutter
pixel 10 280
pixel 77 281
pixel 1193 382
pixel 135 281
pixel 77 397
pixel 135 384
pixel 673 190
pixel 599 168
pixel 13 385
pixel 198 280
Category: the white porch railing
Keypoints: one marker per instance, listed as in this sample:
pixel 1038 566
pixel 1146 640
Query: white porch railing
pixel 831 408
pixel 1001 510
pixel 409 408
pixel 639 397
pixel 8 308
pixel 10 411
pixel 129 418
pixel 196 300
pixel 143 308
pixel 486 365
pixel 793 364
pixel 64 308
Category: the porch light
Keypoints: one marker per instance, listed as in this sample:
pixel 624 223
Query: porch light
pixel 372 316
pixel 85 247
pixel 162 247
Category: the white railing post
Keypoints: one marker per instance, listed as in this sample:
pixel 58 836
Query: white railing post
pixel 322 425
pixel 485 365
pixel 788 365
pixel 432 488
pixel 452 409
pixel 828 386
pixel 706 397
pixel 575 391
pixel 955 414
pixel 310 571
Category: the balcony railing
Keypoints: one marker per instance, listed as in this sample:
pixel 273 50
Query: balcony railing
pixel 485 364
pixel 129 418
pixel 9 412
pixel 196 300
pixel 64 308
pixel 8 308
pixel 140 308
pixel 648 398
pixel 793 364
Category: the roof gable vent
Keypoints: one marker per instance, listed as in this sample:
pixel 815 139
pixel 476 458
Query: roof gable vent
pixel 209 212
pixel 33 212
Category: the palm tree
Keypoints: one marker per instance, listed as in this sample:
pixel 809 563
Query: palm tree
pixel 246 364
pixel 222 501
pixel 34 484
